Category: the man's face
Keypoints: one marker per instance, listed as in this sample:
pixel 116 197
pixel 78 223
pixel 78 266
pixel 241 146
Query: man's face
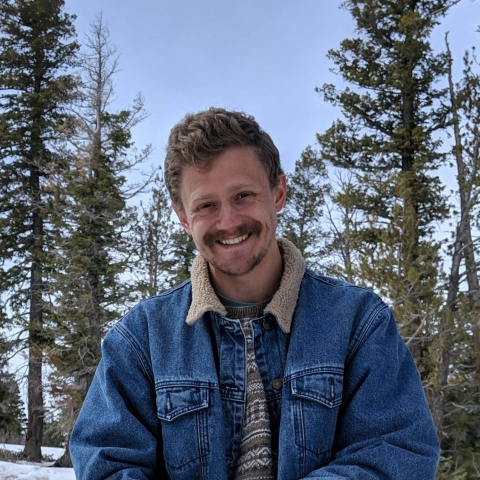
pixel 230 211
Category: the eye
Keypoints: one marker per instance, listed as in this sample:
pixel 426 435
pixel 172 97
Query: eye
pixel 205 206
pixel 242 195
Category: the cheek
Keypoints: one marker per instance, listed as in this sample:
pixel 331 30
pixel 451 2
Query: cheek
pixel 199 228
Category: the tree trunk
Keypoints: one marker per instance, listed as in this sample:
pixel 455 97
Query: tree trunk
pixel 445 329
pixel 33 438
pixel 465 187
pixel 438 392
pixel 474 297
pixel 65 460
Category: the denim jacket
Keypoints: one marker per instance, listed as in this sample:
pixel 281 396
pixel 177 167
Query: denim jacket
pixel 344 395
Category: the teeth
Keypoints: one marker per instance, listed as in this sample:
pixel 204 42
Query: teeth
pixel 233 241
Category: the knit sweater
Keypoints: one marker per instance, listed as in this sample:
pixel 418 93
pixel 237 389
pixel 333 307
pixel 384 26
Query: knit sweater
pixel 256 460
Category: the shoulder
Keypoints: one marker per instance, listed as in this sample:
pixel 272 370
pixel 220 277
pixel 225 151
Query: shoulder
pixel 160 311
pixel 350 295
pixel 150 321
pixel 348 308
pixel 178 295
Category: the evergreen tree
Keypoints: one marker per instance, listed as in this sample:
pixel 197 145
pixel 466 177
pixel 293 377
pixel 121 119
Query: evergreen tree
pixel 36 47
pixel 153 243
pixel 163 252
pixel 184 253
pixel 344 220
pixel 392 112
pixel 455 394
pixel 12 416
pixel 302 217
pixel 465 101
pixel 94 219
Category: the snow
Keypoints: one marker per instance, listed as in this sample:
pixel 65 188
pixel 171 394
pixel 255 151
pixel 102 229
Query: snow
pixel 50 451
pixel 34 471
pixel 25 471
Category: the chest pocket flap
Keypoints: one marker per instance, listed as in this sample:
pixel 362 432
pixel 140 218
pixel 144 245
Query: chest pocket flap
pixel 317 396
pixel 323 387
pixel 175 401
pixel 183 411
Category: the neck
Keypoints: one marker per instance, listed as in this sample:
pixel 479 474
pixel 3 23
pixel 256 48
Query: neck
pixel 254 287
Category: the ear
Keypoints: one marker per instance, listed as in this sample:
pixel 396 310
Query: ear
pixel 182 217
pixel 280 192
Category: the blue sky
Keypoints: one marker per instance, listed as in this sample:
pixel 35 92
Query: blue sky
pixel 264 57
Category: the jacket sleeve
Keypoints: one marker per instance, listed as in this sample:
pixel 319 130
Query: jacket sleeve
pixel 385 429
pixel 115 436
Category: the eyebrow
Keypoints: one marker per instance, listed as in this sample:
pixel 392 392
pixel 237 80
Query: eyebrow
pixel 231 189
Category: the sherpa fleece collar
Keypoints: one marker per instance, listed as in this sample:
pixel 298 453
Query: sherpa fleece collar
pixel 283 302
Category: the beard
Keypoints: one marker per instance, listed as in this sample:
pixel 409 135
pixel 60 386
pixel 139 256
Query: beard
pixel 251 227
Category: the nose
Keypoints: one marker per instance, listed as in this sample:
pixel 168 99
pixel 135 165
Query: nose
pixel 228 218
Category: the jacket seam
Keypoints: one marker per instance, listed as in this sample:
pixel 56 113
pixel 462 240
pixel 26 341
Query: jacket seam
pixel 132 342
pixel 371 319
pixel 373 316
pixel 186 383
pixel 332 282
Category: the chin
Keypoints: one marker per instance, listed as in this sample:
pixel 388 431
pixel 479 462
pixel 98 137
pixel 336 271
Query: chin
pixel 242 268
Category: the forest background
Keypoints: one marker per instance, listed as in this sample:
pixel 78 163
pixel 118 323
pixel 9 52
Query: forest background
pixel 385 196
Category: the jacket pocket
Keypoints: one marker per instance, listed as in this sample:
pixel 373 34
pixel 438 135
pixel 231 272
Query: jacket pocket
pixel 183 411
pixel 317 397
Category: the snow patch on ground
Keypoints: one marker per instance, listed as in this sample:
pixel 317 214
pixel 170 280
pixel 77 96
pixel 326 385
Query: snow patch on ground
pixel 34 471
pixel 50 451
pixel 21 471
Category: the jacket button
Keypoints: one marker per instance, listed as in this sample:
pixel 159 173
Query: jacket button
pixel 267 324
pixel 277 384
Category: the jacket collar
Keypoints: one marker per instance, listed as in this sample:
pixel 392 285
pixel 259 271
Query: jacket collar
pixel 283 303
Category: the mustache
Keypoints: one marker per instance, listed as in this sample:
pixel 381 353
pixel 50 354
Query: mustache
pixel 252 226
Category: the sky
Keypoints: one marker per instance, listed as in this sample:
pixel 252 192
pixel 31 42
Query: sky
pixel 263 57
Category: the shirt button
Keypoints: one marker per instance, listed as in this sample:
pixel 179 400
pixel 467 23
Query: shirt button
pixel 277 384
pixel 267 324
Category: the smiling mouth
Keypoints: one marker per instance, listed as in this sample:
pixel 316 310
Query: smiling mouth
pixel 233 241
pixel 226 238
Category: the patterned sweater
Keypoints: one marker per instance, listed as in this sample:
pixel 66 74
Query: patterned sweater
pixel 256 460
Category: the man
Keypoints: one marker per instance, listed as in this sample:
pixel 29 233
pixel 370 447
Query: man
pixel 255 368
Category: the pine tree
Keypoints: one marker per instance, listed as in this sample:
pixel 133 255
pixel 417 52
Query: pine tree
pixel 12 416
pixel 184 252
pixel 344 221
pixel 465 102
pixel 392 112
pixel 455 394
pixel 153 243
pixel 93 218
pixel 36 47
pixel 164 252
pixel 301 220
